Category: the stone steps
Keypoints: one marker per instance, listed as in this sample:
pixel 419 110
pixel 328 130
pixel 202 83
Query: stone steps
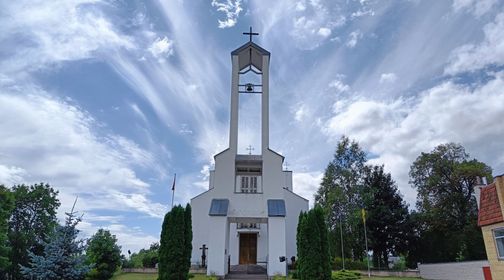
pixel 247 276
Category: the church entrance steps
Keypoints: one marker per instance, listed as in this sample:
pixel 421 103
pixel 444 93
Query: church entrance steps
pixel 247 276
pixel 247 271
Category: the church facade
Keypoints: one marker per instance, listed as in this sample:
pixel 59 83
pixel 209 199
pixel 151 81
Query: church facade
pixel 249 214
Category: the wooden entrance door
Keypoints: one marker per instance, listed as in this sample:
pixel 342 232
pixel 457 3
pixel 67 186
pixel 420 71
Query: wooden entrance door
pixel 248 248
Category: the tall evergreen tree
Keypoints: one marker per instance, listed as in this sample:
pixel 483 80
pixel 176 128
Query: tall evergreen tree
pixel 312 245
pixel 188 236
pixel 104 254
pixel 173 251
pixel 447 214
pixel 6 206
pixel 387 218
pixel 32 221
pixel 63 256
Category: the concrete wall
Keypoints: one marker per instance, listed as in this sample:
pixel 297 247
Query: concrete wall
pixel 294 204
pixel 387 273
pixel 497 266
pixel 454 271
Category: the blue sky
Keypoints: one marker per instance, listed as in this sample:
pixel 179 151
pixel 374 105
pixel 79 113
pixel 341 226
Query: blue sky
pixel 107 99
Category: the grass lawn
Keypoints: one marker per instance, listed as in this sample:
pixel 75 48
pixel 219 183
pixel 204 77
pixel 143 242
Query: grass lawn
pixel 148 276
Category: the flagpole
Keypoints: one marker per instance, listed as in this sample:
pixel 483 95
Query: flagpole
pixel 341 236
pixel 173 189
pixel 365 237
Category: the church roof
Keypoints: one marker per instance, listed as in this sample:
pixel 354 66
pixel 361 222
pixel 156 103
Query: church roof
pixel 250 54
pixel 490 208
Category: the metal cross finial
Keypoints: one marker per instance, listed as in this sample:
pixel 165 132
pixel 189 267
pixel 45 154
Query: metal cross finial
pixel 250 149
pixel 250 33
pixel 286 165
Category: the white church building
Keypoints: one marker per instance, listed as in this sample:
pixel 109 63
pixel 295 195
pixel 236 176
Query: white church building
pixel 249 214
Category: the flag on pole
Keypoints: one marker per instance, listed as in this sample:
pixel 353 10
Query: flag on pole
pixel 174 179
pixel 363 211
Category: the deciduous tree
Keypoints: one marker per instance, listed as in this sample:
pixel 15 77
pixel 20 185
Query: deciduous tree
pixel 340 197
pixel 447 214
pixel 6 206
pixel 32 221
pixel 387 216
pixel 104 254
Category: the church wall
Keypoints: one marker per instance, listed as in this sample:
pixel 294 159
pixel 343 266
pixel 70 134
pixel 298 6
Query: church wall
pixel 200 223
pixel 223 177
pixel 294 205
pixel 273 176
pixel 288 179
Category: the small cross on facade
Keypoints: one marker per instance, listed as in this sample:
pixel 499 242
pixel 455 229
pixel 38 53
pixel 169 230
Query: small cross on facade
pixel 250 149
pixel 250 33
pixel 286 166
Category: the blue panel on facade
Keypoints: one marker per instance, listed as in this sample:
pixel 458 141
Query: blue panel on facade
pixel 219 207
pixel 276 208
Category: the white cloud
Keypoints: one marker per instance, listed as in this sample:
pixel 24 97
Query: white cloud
pixel 398 131
pixel 306 184
pixel 388 78
pixel 161 48
pixel 324 32
pixel 11 175
pixel 301 113
pixel 353 38
pixel 231 8
pixel 53 141
pixel 55 31
pixel 471 57
pixel 339 85
pixel 477 7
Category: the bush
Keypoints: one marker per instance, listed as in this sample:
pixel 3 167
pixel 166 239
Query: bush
pixel 349 264
pixel 345 275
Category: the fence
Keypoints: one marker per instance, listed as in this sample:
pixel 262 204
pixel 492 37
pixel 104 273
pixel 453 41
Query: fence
pixel 387 273
pixel 472 270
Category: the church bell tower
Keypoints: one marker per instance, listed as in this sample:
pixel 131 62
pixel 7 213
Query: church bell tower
pixel 249 58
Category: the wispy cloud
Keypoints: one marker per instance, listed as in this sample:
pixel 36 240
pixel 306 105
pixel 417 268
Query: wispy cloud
pixel 471 57
pixel 231 8
pixel 53 141
pixel 54 32
pixel 161 48
pixel 353 38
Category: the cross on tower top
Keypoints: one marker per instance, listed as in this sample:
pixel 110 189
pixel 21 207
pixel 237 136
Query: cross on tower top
pixel 250 149
pixel 250 33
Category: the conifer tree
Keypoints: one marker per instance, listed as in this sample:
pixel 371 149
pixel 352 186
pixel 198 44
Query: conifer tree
pixel 174 256
pixel 312 244
pixel 188 236
pixel 62 256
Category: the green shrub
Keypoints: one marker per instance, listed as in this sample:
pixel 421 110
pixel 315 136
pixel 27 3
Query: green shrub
pixel 345 275
pixel 294 275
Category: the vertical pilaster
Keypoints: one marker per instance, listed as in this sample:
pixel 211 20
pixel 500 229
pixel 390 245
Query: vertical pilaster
pixel 265 105
pixel 233 130
pixel 217 247
pixel 276 246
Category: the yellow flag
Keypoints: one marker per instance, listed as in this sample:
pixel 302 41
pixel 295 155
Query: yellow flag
pixel 363 211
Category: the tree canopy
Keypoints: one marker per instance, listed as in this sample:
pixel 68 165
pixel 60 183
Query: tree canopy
pixel 32 221
pixel 446 217
pixel 104 253
pixel 62 257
